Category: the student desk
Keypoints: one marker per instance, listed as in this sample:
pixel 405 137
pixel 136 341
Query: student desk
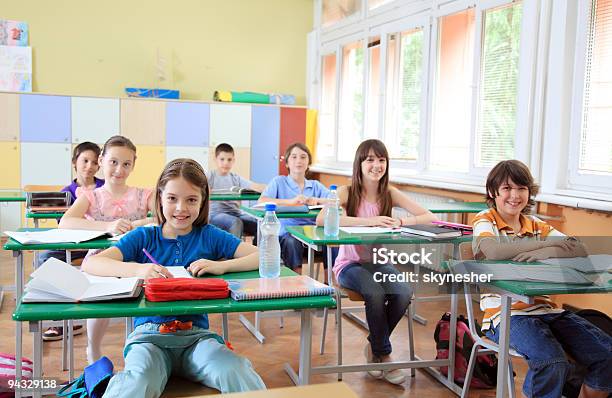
pixel 12 196
pixel 526 292
pixel 336 390
pixel 233 196
pixel 43 216
pixel 34 313
pixel 18 249
pixel 259 214
pixel 314 238
pixel 461 209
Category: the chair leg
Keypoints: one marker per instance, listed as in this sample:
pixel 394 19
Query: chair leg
pixel 339 321
pixel 511 390
pixel 324 331
pixel 411 340
pixel 470 371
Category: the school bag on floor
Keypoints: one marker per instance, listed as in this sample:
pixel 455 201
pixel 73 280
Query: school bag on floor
pixel 92 383
pixel 7 373
pixel 485 369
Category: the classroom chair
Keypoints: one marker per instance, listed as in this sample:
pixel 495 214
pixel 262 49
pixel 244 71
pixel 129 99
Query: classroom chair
pixel 488 346
pixel 342 292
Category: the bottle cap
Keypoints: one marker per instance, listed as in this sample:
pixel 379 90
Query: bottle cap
pixel 333 187
pixel 270 207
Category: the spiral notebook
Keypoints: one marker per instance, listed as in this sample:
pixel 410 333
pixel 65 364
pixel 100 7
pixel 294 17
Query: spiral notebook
pixel 267 288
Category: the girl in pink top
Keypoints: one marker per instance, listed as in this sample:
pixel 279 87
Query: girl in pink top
pixel 115 208
pixel 368 201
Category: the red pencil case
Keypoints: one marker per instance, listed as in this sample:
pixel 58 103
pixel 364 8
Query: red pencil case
pixel 174 289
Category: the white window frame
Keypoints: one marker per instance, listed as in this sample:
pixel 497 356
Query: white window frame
pixel 416 22
pixel 576 180
pixel 548 66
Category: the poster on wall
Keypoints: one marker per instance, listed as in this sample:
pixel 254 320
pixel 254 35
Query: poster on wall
pixel 15 68
pixel 13 33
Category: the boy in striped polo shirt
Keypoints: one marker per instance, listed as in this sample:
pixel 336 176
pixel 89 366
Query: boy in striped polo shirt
pixel 539 331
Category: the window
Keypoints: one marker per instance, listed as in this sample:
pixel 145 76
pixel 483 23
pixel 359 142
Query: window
pixel 495 134
pixel 450 137
pixel 373 92
pixel 350 115
pixel 327 114
pixel 372 4
pixel 595 148
pixel 404 75
pixel 337 10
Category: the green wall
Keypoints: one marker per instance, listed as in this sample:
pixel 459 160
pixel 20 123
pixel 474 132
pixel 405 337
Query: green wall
pixel 83 47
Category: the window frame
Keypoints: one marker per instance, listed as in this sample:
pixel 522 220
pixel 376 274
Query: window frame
pixel 576 180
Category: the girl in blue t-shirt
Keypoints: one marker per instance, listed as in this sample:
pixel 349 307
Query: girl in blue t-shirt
pixel 162 344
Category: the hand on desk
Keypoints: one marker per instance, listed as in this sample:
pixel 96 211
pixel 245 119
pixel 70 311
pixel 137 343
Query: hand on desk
pixel 203 266
pixel 535 255
pixel 384 221
pixel 119 226
pixel 149 271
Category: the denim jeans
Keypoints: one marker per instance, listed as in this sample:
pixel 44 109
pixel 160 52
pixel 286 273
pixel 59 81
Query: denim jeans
pixel 544 339
pixel 292 252
pixel 235 225
pixel 385 302
pixel 148 365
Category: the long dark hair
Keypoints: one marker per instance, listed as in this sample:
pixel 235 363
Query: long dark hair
pixel 193 173
pixel 355 190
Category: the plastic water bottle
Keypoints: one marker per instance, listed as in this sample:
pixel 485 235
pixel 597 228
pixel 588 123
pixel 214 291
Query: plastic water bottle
pixel 331 222
pixel 269 246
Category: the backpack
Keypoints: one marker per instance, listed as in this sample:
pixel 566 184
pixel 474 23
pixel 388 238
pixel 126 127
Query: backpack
pixel 7 373
pixel 485 369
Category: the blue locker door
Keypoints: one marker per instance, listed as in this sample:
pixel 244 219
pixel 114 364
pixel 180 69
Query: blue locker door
pixel 265 138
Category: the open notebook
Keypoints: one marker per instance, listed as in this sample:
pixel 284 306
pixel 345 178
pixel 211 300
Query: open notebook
pixel 266 288
pixel 56 235
pixel 56 281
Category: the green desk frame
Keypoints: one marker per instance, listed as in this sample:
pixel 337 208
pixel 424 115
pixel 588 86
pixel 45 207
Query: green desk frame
pixel 526 292
pixel 314 238
pixel 43 216
pixel 217 196
pixel 35 313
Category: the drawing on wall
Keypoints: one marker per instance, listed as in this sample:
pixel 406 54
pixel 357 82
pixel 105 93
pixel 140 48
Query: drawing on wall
pixel 15 68
pixel 13 33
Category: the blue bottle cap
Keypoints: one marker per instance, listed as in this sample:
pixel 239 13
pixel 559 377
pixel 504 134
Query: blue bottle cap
pixel 270 207
pixel 333 187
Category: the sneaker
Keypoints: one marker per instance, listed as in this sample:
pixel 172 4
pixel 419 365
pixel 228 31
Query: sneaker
pixel 370 358
pixel 395 376
pixel 56 332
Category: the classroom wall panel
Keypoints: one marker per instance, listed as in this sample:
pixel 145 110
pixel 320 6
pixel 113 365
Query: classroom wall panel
pixel 45 118
pixel 242 166
pixel 144 121
pixel 9 117
pixel 230 124
pixel 10 178
pixel 94 119
pixel 10 216
pixel 187 124
pixel 198 154
pixel 45 164
pixel 150 162
pixel 265 143
pixel 292 129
